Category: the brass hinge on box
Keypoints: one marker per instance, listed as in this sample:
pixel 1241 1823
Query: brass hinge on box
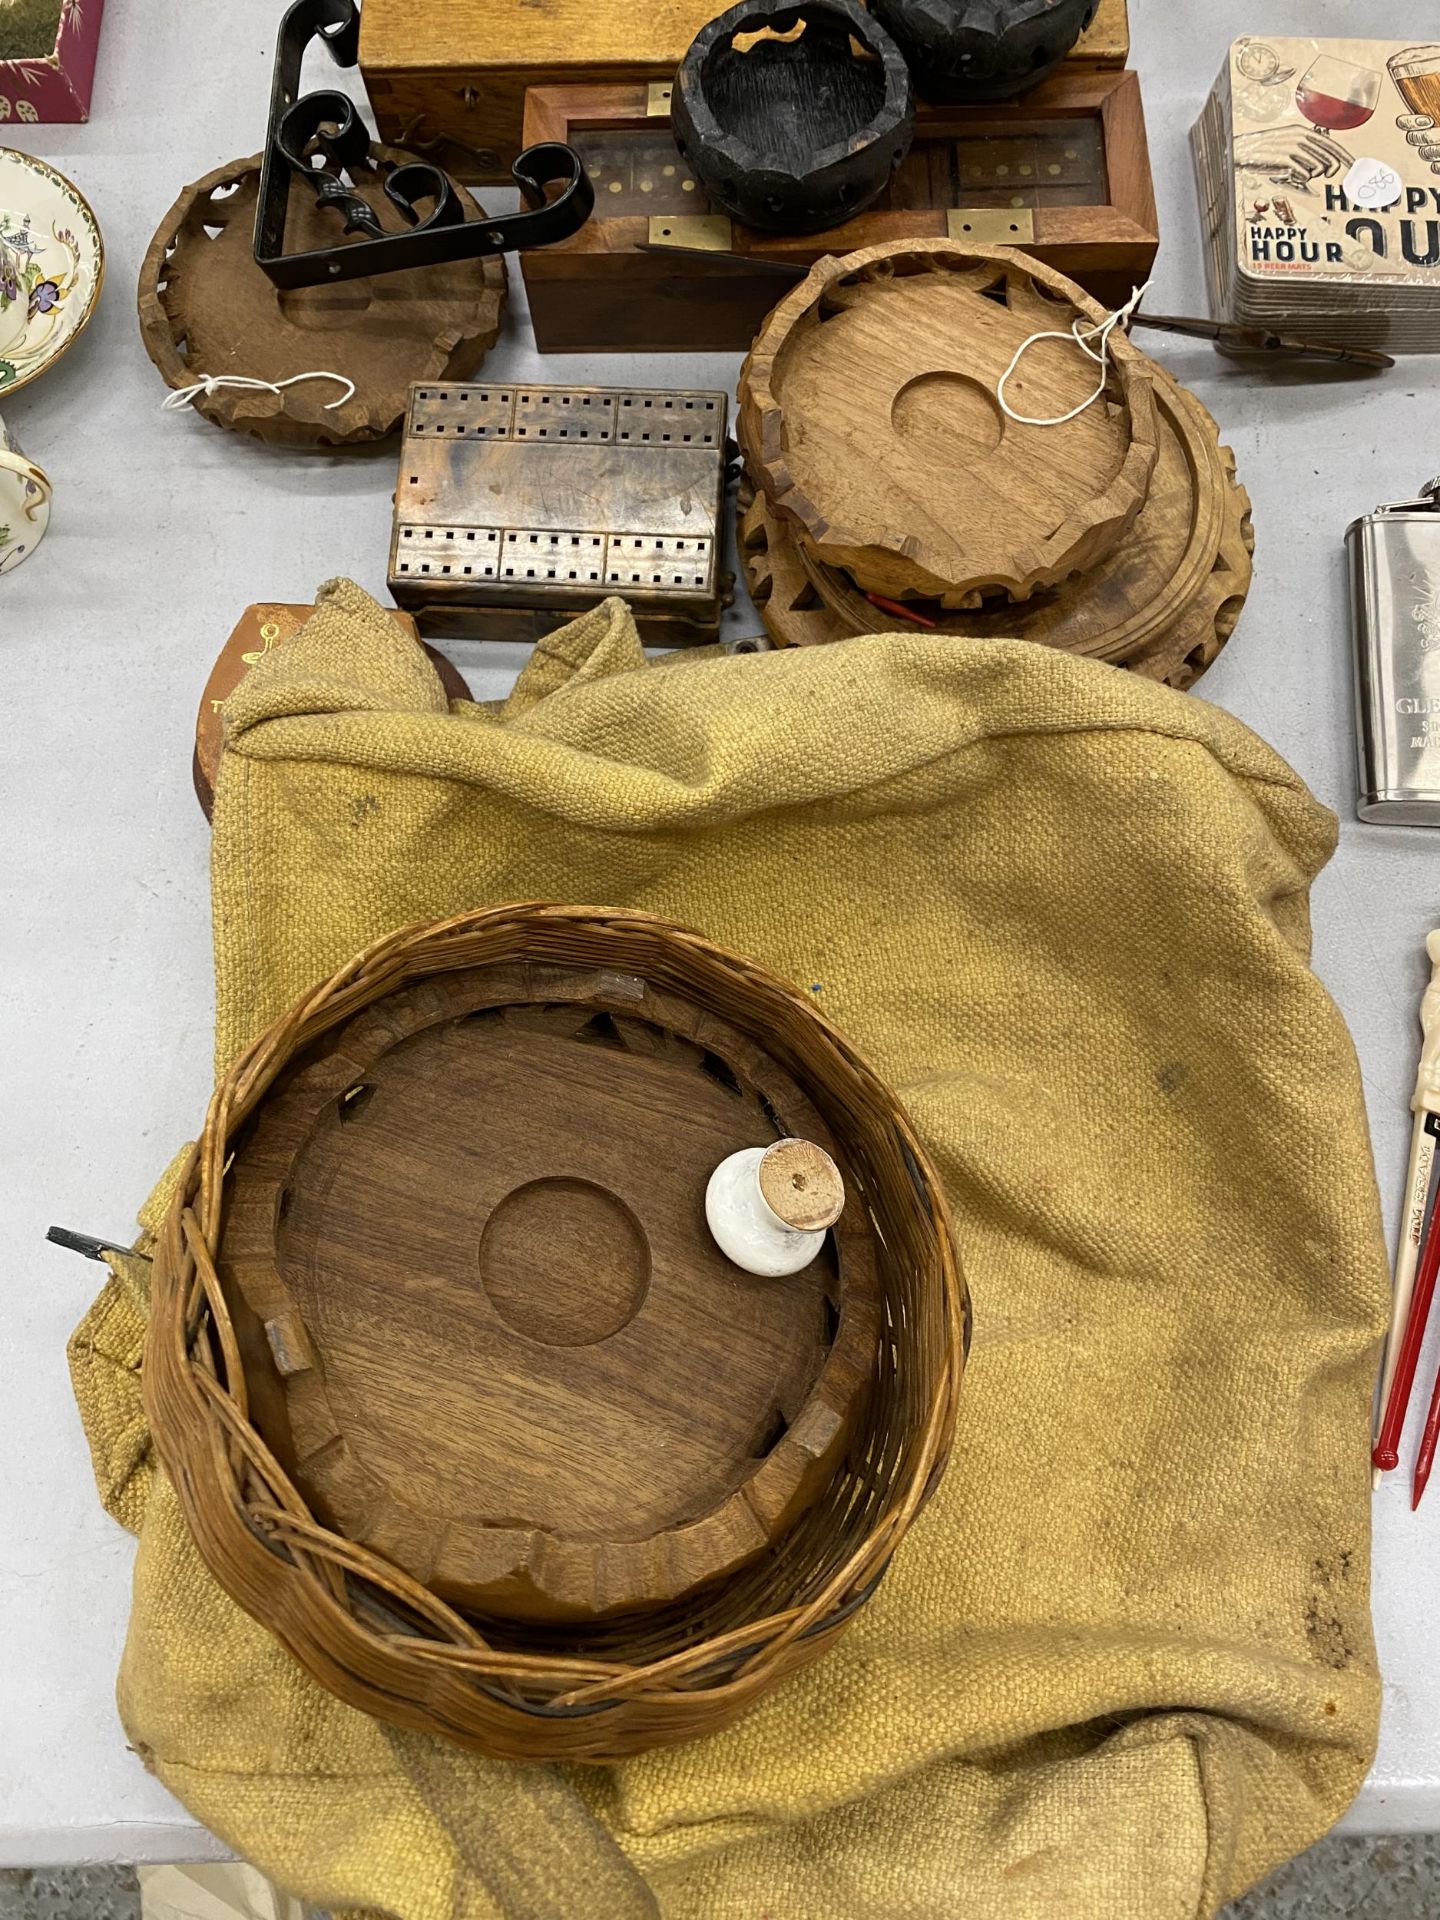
pixel 657 99
pixel 691 232
pixel 991 226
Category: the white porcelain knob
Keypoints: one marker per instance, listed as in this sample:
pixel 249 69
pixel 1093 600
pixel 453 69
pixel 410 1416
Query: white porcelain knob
pixel 769 1207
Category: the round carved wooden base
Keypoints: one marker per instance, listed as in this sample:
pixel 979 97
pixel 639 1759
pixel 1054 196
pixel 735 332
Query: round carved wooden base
pixel 485 1327
pixel 1163 604
pixel 600 987
pixel 207 309
pixel 869 415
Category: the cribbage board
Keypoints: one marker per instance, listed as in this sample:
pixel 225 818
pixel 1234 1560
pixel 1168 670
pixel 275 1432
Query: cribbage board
pixel 519 506
pixel 1063 172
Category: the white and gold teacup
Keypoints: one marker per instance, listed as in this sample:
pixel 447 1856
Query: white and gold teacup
pixel 25 492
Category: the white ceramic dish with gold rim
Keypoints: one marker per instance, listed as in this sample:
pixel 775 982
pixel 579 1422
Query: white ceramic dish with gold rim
pixel 52 263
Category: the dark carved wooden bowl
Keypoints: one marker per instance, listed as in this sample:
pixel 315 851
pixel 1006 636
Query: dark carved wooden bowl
pixel 977 50
pixel 793 117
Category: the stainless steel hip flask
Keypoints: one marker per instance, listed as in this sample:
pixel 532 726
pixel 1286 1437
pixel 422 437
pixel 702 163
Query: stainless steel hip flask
pixel 1394 556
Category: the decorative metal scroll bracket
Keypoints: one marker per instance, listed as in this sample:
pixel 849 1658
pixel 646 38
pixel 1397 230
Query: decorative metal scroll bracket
pixel 320 136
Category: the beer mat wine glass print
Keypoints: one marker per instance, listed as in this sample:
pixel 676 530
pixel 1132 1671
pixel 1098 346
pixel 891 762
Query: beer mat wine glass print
pixel 1336 97
pixel 1319 169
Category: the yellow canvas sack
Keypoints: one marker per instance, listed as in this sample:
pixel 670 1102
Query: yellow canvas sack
pixel 1122 1666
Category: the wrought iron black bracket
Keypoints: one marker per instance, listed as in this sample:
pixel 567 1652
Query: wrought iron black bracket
pixel 320 137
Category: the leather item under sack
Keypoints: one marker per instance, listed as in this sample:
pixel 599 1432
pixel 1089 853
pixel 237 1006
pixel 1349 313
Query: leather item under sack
pixel 1122 1665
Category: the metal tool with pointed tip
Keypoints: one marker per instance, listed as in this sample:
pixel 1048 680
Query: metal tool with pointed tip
pixel 1242 342
pixel 1225 336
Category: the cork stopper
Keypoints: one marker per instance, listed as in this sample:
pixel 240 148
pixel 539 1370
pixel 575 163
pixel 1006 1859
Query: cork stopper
pixel 802 1185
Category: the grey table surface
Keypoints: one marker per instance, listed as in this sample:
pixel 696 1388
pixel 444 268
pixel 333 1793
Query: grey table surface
pixel 165 528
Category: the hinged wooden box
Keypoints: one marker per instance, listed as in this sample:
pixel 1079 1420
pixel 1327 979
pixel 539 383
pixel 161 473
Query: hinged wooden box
pixel 48 50
pixel 456 70
pixel 1064 173
pixel 518 507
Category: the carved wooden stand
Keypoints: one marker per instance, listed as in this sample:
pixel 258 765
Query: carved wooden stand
pixel 1132 547
pixel 207 309
pixel 1163 604
pixel 869 417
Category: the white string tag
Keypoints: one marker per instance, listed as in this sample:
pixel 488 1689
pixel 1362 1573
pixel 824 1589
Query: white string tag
pixel 212 383
pixel 1082 333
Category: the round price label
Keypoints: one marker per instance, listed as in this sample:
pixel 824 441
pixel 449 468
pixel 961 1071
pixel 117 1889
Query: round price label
pixel 1373 184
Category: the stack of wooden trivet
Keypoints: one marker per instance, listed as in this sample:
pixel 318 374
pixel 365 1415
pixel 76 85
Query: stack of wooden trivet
pixel 891 487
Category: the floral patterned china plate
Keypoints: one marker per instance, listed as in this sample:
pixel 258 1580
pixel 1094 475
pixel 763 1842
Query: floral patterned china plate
pixel 52 262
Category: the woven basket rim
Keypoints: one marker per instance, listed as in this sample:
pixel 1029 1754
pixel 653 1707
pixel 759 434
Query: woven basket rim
pixel 360 1624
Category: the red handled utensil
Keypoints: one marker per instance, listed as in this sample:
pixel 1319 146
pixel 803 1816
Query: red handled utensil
pixel 899 608
pixel 1426 1457
pixel 1419 1178
pixel 1386 1453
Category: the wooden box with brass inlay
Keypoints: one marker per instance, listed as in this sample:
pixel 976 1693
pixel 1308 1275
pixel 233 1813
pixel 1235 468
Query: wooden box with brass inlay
pixel 454 72
pixel 518 507
pixel 1063 172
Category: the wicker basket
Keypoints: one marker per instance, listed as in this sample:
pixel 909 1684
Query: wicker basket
pixel 385 1643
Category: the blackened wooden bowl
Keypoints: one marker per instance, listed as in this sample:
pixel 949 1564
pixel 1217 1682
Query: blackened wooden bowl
pixel 978 50
pixel 793 116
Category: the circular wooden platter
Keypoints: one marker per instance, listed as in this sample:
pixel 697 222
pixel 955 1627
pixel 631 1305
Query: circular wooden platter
pixel 207 309
pixel 868 416
pixel 793 114
pixel 1162 604
pixel 484 1327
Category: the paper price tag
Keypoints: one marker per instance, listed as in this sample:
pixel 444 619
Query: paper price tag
pixel 1373 184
